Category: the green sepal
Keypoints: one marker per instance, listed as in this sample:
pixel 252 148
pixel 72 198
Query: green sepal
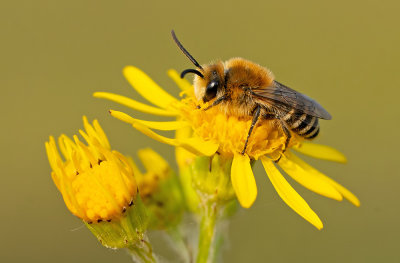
pixel 211 177
pixel 165 206
pixel 125 231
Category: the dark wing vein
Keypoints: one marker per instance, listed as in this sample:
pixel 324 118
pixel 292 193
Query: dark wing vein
pixel 284 98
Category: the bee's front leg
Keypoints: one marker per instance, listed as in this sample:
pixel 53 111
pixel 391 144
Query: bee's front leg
pixel 216 102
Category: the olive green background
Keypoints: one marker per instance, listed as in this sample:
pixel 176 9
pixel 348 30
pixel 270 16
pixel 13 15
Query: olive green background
pixel 345 54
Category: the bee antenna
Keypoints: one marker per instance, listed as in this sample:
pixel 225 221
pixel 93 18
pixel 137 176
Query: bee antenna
pixel 184 50
pixel 195 71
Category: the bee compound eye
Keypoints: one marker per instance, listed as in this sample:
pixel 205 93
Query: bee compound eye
pixel 212 85
pixel 211 90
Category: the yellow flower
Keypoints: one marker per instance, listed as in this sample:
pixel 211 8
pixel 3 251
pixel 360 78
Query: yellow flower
pixel 157 170
pixel 97 184
pixel 203 133
pixel 159 190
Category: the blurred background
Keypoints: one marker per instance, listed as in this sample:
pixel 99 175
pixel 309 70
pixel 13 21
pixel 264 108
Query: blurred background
pixel 345 54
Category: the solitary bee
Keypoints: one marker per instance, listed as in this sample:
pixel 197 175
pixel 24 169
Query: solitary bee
pixel 243 88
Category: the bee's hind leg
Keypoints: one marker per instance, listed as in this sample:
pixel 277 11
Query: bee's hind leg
pixel 288 137
pixel 256 116
pixel 287 133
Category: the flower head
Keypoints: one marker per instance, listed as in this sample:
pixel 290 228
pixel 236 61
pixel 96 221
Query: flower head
pixel 98 186
pixel 230 131
pixel 96 183
pixel 214 131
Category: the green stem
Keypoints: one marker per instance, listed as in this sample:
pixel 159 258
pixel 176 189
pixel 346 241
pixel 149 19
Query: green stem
pixel 207 233
pixel 142 252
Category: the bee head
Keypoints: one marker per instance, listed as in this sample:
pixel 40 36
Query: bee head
pixel 208 80
pixel 207 87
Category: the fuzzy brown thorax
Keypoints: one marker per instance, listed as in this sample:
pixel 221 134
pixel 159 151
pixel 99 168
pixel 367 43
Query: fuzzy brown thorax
pixel 234 80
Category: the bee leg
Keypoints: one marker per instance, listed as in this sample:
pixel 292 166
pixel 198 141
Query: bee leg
pixel 216 102
pixel 288 137
pixel 287 133
pixel 253 123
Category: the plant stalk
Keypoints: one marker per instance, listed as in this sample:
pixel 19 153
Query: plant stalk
pixel 143 252
pixel 207 233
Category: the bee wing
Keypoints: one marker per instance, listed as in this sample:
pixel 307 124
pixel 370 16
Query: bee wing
pixel 285 99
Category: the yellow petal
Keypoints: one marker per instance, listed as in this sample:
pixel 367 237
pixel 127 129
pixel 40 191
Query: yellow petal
pixel 53 155
pixel 184 132
pixel 152 161
pixel 346 193
pixel 289 195
pixel 136 172
pixel 158 125
pixel 153 135
pixel 308 180
pixel 183 84
pixel 85 151
pixel 67 146
pixel 90 135
pixel 183 157
pixel 134 104
pixel 100 132
pixel 321 152
pixel 194 145
pixel 146 87
pixel 198 146
pixel 243 181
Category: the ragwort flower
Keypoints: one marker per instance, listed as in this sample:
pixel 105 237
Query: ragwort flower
pixel 207 132
pixel 98 186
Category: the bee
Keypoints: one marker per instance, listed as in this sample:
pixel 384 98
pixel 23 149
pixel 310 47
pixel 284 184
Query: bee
pixel 243 88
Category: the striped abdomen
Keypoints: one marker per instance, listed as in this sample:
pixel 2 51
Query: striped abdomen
pixel 303 124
